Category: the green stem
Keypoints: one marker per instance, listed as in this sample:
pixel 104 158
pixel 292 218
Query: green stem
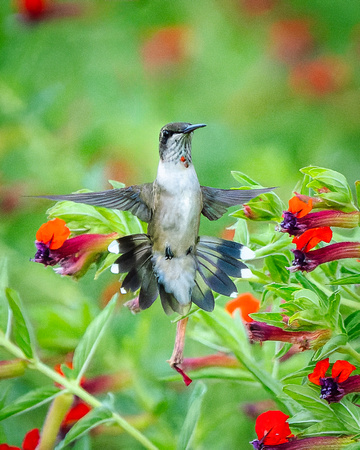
pixel 74 388
pixel 348 349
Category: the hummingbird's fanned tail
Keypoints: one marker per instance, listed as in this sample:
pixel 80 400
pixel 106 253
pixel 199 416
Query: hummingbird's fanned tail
pixel 217 259
pixel 136 257
pixel 170 304
pixel 201 294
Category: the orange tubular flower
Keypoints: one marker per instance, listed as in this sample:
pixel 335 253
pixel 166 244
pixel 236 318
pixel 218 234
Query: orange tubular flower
pixel 53 233
pixel 246 303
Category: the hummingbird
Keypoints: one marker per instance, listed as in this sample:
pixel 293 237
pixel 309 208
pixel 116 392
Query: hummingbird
pixel 171 259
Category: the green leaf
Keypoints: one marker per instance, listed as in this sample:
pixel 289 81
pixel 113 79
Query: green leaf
pixel 331 346
pixel 340 193
pixel 276 265
pixel 302 279
pixel 3 285
pixel 116 184
pixel 357 190
pixel 241 232
pixel 263 208
pixel 192 417
pixel 87 345
pixel 351 279
pixel 352 325
pixel 94 418
pixel 275 319
pixel 30 400
pixel 348 413
pixel 244 179
pixel 309 398
pixel 20 329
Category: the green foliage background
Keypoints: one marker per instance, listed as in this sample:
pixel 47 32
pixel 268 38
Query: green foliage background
pixel 77 99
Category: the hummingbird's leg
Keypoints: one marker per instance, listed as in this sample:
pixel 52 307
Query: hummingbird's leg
pixel 177 356
pixel 168 253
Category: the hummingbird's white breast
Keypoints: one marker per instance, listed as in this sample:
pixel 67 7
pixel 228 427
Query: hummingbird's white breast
pixel 174 227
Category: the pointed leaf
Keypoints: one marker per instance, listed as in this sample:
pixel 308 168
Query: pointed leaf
pixel 192 417
pixel 94 418
pixel 20 329
pixel 30 400
pixel 87 345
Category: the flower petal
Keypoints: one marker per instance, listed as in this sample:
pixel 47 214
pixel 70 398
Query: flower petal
pixel 342 370
pixel 319 371
pixel 76 413
pixel 53 233
pixel 31 440
pixel 272 428
pixel 310 238
pixel 299 208
pixel 247 304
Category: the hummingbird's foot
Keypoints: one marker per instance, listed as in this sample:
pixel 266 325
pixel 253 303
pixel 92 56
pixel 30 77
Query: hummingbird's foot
pixel 133 305
pixel 168 253
pixel 177 356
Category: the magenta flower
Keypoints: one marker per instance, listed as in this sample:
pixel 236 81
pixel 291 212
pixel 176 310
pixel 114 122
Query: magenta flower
pixel 260 331
pixel 74 255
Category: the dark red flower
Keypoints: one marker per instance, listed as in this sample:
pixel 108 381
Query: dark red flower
pixel 339 384
pixel 246 303
pixel 261 331
pixel 308 261
pixel 271 428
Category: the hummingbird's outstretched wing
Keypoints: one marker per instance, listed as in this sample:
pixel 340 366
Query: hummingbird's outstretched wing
pixel 135 199
pixel 217 201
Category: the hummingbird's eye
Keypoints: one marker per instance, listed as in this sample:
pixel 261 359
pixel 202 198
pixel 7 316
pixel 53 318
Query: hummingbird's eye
pixel 165 135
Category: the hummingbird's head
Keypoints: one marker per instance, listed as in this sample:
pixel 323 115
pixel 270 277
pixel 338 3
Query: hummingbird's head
pixel 175 142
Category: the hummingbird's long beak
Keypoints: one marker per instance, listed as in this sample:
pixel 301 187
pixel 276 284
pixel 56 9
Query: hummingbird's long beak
pixel 191 128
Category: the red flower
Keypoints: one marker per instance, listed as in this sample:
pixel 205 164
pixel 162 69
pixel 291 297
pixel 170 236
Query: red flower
pixel 30 441
pixel 310 238
pixel 53 233
pixel 340 372
pixel 75 413
pixel 246 303
pixel 272 428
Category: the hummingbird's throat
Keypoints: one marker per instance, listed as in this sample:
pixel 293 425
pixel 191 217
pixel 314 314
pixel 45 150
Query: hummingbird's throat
pixel 184 161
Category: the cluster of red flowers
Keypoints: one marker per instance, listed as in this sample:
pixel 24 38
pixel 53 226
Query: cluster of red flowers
pixel 309 229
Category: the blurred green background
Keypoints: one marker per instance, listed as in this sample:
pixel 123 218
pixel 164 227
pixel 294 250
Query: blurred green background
pixel 85 87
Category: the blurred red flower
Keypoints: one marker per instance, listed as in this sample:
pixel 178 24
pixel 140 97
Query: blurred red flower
pixel 246 303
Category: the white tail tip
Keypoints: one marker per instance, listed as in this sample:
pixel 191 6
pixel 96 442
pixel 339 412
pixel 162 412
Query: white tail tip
pixel 114 247
pixel 246 253
pixel 246 273
pixel 115 269
pixel 234 294
pixel 123 290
